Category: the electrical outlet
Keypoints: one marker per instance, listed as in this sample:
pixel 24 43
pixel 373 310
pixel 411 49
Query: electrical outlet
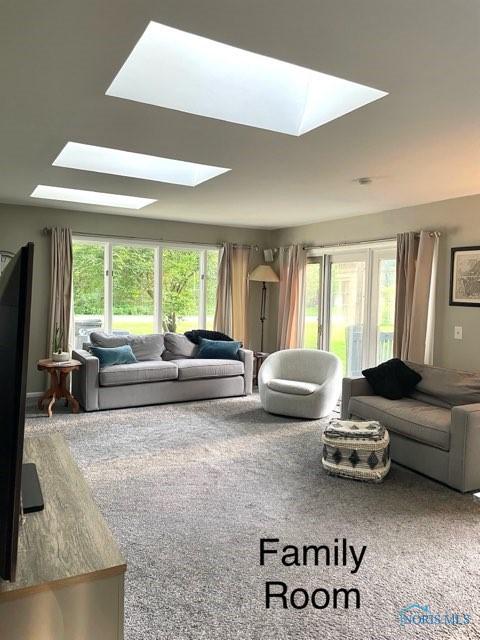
pixel 458 333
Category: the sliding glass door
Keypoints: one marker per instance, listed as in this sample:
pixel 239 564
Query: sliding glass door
pixel 350 305
pixel 130 287
pixel 346 310
pixel 383 305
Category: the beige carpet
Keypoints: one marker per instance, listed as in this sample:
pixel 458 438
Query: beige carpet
pixel 190 489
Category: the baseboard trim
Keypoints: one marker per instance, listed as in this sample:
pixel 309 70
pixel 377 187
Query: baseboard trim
pixel 32 395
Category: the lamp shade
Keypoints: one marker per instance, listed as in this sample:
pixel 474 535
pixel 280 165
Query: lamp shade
pixel 264 273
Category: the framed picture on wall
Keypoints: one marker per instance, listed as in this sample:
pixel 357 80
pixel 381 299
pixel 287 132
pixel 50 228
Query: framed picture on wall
pixel 465 277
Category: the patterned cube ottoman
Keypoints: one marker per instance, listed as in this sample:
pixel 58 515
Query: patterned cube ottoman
pixel 358 450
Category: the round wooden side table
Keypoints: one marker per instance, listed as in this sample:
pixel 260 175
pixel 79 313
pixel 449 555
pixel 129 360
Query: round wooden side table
pixel 58 383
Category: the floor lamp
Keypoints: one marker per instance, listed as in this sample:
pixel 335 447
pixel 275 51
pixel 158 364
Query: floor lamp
pixel 263 273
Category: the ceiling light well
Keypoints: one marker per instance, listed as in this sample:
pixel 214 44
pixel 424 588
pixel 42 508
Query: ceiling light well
pixel 88 157
pixel 81 196
pixel 178 70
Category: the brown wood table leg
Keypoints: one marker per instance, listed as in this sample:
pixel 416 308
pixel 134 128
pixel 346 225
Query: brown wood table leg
pixel 71 401
pixel 50 394
pixel 50 405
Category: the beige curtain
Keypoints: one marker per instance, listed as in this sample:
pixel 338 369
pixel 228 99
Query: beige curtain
pixel 417 256
pixel 292 263
pixel 232 292
pixel 60 286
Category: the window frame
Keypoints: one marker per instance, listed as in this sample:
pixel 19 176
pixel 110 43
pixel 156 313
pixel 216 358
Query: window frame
pixel 109 242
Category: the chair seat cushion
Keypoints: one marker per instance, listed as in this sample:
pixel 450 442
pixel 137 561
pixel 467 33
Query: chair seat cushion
pixel 294 387
pixel 147 371
pixel 195 368
pixel 408 417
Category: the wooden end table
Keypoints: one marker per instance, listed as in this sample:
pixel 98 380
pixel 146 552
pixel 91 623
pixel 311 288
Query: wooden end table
pixel 259 357
pixel 58 383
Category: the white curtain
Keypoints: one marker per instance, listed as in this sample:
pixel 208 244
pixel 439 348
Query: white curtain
pixel 292 262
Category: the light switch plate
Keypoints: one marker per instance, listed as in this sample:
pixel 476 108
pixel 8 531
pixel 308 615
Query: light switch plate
pixel 458 333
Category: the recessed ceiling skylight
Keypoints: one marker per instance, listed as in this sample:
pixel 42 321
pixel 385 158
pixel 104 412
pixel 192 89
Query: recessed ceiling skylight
pixel 89 197
pixel 135 165
pixel 179 70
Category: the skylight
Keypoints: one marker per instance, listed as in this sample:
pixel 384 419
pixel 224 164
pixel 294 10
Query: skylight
pixel 186 72
pixel 89 197
pixel 135 165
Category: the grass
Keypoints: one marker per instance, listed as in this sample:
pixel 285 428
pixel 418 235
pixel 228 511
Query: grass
pixel 337 338
pixel 144 324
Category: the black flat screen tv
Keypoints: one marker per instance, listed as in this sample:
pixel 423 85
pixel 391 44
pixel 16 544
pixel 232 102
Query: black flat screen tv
pixel 15 302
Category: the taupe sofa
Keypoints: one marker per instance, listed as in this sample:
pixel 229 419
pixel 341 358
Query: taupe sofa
pixel 436 430
pixel 171 375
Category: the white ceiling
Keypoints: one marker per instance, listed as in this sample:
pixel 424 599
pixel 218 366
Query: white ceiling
pixel 420 143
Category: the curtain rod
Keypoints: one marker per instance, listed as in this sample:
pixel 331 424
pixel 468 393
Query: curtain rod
pixel 436 234
pixel 47 230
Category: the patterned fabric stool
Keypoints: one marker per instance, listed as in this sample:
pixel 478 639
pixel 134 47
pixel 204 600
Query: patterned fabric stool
pixel 358 450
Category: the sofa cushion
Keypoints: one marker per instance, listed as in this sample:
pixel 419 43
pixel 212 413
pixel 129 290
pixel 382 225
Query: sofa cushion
pixel 145 347
pixel 294 387
pixel 448 385
pixel 192 368
pixel 425 397
pixel 178 346
pixel 218 349
pixel 408 417
pixel 114 355
pixel 152 371
pixel 392 379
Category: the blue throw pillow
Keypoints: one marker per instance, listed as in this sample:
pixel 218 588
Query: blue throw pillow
pixel 218 349
pixel 114 355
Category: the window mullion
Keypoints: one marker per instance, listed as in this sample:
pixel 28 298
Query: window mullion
pixel 158 288
pixel 203 290
pixel 108 287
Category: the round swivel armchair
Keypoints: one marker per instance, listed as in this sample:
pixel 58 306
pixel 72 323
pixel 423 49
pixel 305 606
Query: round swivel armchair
pixel 302 383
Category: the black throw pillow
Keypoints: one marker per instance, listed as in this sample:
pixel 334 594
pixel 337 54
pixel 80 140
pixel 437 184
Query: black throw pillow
pixel 392 379
pixel 195 335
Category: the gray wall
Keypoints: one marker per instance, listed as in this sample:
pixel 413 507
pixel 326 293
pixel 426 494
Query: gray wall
pixel 458 220
pixel 19 225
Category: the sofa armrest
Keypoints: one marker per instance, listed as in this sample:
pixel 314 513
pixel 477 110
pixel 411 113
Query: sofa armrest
pixel 246 356
pixel 85 380
pixel 353 387
pixel 464 465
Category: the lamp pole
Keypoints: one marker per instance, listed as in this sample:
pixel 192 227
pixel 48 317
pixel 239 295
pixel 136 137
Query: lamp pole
pixel 263 305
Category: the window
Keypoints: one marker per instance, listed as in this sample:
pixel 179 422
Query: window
pixel 350 304
pixel 181 290
pixel 130 287
pixel 88 289
pixel 133 289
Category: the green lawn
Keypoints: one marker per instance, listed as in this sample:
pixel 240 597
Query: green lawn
pixel 142 324
pixel 337 338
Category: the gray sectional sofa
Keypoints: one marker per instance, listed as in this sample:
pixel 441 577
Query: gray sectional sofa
pixel 436 430
pixel 167 371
